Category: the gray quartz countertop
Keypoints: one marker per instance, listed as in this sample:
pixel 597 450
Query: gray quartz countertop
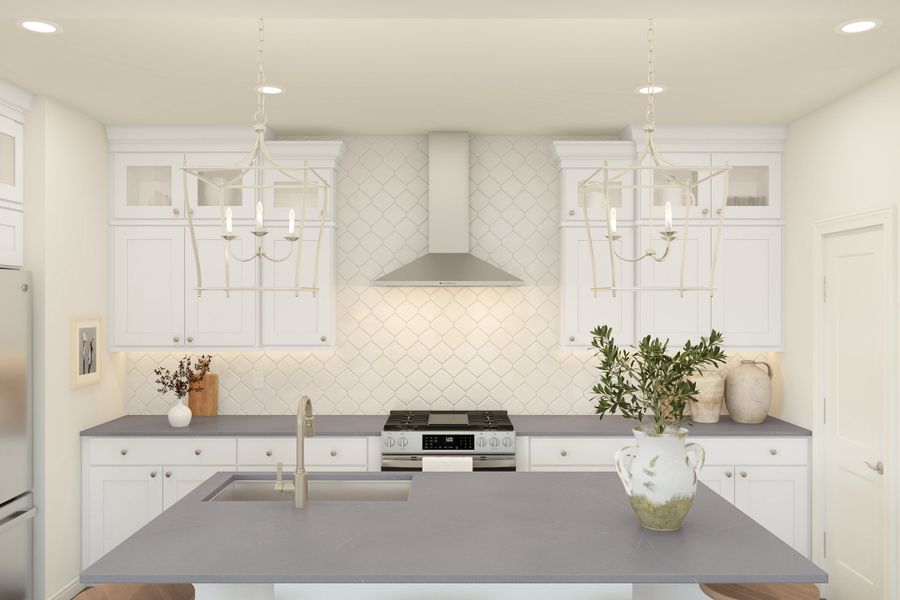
pixel 455 527
pixel 370 425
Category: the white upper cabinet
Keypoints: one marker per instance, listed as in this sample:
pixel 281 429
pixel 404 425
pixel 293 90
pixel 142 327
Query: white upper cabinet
pixel 669 188
pixel 11 161
pixel 299 319
pixel 754 185
pixel 667 314
pixel 148 289
pixel 214 319
pixel 746 307
pixel 12 243
pixel 621 193
pixel 204 198
pixel 148 185
pixel 584 310
pixel 283 193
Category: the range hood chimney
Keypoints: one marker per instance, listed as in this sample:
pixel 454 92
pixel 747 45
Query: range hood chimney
pixel 448 262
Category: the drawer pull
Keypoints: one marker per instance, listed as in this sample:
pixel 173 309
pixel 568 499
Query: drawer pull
pixel 571 212
pixel 728 474
pixel 323 338
pixel 176 339
pixel 168 474
pixel 571 338
pixel 152 474
pixel 123 451
pixel 190 339
pixel 744 474
pixel 198 452
pixel 705 211
pixel 563 453
pixel 268 453
pixel 334 452
pixel 175 211
pixel 773 451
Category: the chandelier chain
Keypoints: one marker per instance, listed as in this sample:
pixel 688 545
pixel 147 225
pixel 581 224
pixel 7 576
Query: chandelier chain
pixel 651 78
pixel 260 116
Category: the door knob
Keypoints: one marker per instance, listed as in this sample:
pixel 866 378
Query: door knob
pixel 571 213
pixel 190 339
pixel 744 474
pixel 705 211
pixel 728 474
pixel 877 467
pixel 176 339
pixel 153 474
pixel 168 474
pixel 175 211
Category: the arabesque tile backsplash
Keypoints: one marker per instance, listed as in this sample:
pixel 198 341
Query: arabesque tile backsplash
pixel 461 348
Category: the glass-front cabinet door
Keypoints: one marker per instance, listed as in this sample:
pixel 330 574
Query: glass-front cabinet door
pixel 754 185
pixel 148 185
pixel 11 173
pixel 576 197
pixel 204 196
pixel 668 187
pixel 283 193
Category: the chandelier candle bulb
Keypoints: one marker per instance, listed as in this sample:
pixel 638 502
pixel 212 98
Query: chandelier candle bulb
pixel 259 215
pixel 612 220
pixel 228 224
pixel 291 222
pixel 668 216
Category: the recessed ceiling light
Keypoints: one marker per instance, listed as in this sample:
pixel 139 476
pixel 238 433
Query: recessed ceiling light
pixel 270 89
pixel 651 89
pixel 859 26
pixel 39 26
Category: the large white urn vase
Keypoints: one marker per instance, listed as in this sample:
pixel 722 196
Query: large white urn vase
pixel 660 474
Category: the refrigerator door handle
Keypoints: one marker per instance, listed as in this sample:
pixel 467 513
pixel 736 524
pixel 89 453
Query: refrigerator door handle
pixel 16 518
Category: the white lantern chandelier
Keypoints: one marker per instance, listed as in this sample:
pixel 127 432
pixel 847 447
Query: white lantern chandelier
pixel 651 173
pixel 256 173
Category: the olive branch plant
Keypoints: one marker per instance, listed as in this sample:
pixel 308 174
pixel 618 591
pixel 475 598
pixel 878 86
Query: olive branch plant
pixel 187 376
pixel 648 378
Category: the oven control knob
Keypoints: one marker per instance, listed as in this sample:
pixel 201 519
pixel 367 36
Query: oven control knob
pixel 507 442
pixel 481 442
pixel 494 442
pixel 403 442
pixel 389 442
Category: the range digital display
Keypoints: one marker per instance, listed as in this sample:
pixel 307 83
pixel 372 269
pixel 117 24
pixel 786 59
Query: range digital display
pixel 448 442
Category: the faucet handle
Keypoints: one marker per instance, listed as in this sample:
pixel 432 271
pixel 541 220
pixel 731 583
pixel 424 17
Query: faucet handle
pixel 279 477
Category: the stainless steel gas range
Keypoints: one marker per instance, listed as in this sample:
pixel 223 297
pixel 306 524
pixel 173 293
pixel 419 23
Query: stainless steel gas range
pixel 486 435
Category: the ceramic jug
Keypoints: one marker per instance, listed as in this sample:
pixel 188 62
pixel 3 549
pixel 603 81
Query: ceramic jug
pixel 707 403
pixel 748 392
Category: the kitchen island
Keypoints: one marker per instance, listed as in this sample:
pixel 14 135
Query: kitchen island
pixel 460 535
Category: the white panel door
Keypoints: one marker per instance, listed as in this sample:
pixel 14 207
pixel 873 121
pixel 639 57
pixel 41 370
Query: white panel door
pixel 178 482
pixel 121 500
pixel 148 290
pixel 653 201
pixel 12 242
pixel 303 319
pixel 778 499
pixel 583 310
pixel 720 480
pixel 747 302
pixel 11 161
pixel 856 345
pixel 148 185
pixel 667 314
pixel 204 197
pixel 214 319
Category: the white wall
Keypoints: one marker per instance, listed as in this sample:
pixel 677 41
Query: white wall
pixel 840 159
pixel 66 248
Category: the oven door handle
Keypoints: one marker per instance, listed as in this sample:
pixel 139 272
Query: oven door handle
pixel 414 463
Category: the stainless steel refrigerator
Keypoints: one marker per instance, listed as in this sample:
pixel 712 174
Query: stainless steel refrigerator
pixel 16 499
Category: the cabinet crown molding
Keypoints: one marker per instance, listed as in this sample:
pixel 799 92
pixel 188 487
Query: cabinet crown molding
pixel 14 101
pixel 713 138
pixel 590 153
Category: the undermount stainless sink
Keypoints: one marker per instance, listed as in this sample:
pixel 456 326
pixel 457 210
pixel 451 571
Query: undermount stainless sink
pixel 320 490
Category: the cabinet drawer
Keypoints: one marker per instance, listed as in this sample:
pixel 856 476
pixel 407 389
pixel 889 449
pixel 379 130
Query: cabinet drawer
pixel 266 451
pixel 163 451
pixel 755 451
pixel 575 451
pixel 323 451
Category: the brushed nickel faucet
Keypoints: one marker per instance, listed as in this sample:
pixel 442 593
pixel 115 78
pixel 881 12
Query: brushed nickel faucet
pixel 306 427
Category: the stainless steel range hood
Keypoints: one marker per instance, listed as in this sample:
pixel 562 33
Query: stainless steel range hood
pixel 448 262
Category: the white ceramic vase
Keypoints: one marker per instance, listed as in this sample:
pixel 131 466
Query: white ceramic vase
pixel 706 407
pixel 179 414
pixel 748 392
pixel 660 473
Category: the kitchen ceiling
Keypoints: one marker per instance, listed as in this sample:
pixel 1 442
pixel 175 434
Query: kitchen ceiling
pixel 408 66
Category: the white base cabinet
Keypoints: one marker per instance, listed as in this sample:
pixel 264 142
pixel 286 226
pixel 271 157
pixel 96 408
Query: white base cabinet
pixel 767 478
pixel 127 482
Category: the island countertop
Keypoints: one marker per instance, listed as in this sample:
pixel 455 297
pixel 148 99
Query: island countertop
pixel 454 528
pixel 370 425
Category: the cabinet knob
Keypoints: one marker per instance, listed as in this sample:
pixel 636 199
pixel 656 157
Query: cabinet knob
pixel 323 338
pixel 705 211
pixel 773 451
pixel 152 474
pixel 571 212
pixel 190 339
pixel 268 453
pixel 728 474
pixel 168 474
pixel 175 211
pixel 744 474
pixel 563 453
pixel 718 211
pixel 123 451
pixel 176 339
pixel 198 452
pixel 571 338
pixel 334 452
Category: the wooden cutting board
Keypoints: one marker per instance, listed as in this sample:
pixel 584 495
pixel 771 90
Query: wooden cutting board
pixel 205 403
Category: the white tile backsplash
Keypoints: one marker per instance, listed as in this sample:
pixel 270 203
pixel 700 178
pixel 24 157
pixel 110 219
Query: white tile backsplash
pixel 450 348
